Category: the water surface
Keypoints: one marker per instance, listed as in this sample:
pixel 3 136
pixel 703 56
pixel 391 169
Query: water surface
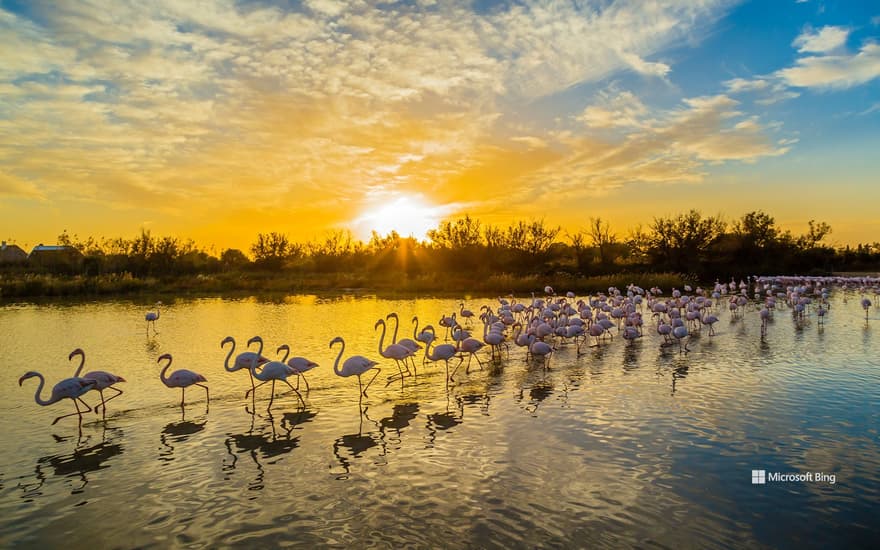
pixel 627 444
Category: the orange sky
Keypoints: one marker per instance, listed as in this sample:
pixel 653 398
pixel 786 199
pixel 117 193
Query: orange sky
pixel 218 121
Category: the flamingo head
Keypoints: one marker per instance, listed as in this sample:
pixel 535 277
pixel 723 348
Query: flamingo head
pixel 337 340
pixel 25 376
pixel 284 347
pixel 380 322
pixel 254 339
pixel 163 357
pixel 77 351
pixel 227 340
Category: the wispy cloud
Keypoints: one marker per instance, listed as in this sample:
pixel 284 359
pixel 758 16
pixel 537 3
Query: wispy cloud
pixel 834 71
pixel 822 40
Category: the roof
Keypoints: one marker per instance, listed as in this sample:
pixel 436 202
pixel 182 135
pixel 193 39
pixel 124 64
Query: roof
pixel 12 253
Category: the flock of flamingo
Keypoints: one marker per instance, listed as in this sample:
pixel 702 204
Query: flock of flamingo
pixel 540 327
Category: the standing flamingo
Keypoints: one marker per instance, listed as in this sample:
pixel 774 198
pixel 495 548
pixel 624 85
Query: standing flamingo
pixel 442 352
pixel 356 365
pixel 300 364
pixel 541 349
pixel 152 317
pixel 394 351
pixel 680 332
pixel 69 388
pixel 103 380
pixel 181 378
pixel 245 359
pixel 408 343
pixel 274 371
pixel 866 305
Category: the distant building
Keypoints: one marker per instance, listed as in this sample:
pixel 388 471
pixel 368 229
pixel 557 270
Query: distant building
pixel 12 254
pixel 56 256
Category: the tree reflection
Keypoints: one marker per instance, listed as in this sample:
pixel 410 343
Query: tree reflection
pixel 86 457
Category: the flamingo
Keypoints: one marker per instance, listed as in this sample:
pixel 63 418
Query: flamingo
pixel 710 320
pixel 245 359
pixel 181 378
pixel 69 388
pixel 466 314
pixel 542 349
pixel 470 346
pixel 442 352
pixel 866 305
pixel 408 343
pixel 680 332
pixel 103 380
pixel 274 371
pixel 152 317
pixel 300 364
pixel 394 351
pixel 356 365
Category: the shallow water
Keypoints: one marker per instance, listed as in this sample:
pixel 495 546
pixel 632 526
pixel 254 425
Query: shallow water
pixel 625 445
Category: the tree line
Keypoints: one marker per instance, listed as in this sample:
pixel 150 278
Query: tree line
pixel 699 246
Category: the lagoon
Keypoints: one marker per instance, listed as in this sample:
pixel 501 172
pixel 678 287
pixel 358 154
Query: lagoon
pixel 628 444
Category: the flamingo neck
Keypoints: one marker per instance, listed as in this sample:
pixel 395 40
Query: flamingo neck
pixel 382 338
pixel 82 361
pixel 286 353
pixel 162 376
pixel 228 357
pixel 394 335
pixel 336 368
pixel 415 328
pixel 37 393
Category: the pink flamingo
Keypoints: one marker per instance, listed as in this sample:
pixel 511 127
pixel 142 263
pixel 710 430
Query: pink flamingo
pixel 181 378
pixel 274 371
pixel 245 359
pixel 151 318
pixel 442 352
pixel 69 388
pixel 540 349
pixel 356 365
pixel 300 364
pixel 394 351
pixel 103 379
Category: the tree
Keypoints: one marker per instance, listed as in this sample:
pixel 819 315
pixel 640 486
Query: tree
pixel 602 239
pixel 756 230
pixel 271 250
pixel 814 235
pixel 462 233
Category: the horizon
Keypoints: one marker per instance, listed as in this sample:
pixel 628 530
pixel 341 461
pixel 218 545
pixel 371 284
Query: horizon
pixel 221 121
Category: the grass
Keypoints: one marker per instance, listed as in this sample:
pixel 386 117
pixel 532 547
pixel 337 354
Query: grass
pixel 256 283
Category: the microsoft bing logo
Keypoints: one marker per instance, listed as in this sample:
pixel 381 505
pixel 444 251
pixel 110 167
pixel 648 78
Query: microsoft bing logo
pixel 759 477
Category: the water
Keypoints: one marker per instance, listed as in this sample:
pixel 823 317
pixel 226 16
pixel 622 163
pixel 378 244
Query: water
pixel 626 445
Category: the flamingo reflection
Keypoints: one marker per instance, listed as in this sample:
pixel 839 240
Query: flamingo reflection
pixel 178 432
pixel 85 458
pixel 355 444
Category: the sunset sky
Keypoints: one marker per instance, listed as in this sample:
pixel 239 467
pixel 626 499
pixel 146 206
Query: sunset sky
pixel 218 120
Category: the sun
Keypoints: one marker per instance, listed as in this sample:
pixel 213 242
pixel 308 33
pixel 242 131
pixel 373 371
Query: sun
pixel 408 215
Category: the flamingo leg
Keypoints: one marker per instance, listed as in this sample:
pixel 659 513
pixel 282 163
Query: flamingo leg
pixel 297 392
pixel 182 396
pixel 378 370
pixel 271 396
pixel 78 412
pixel 451 377
pixel 117 394
pixel 306 380
pixel 207 397
pixel 254 388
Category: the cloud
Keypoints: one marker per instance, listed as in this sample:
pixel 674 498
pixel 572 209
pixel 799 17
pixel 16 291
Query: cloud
pixel 673 146
pixel 834 71
pixel 614 109
pixel 824 40
pixel 13 186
